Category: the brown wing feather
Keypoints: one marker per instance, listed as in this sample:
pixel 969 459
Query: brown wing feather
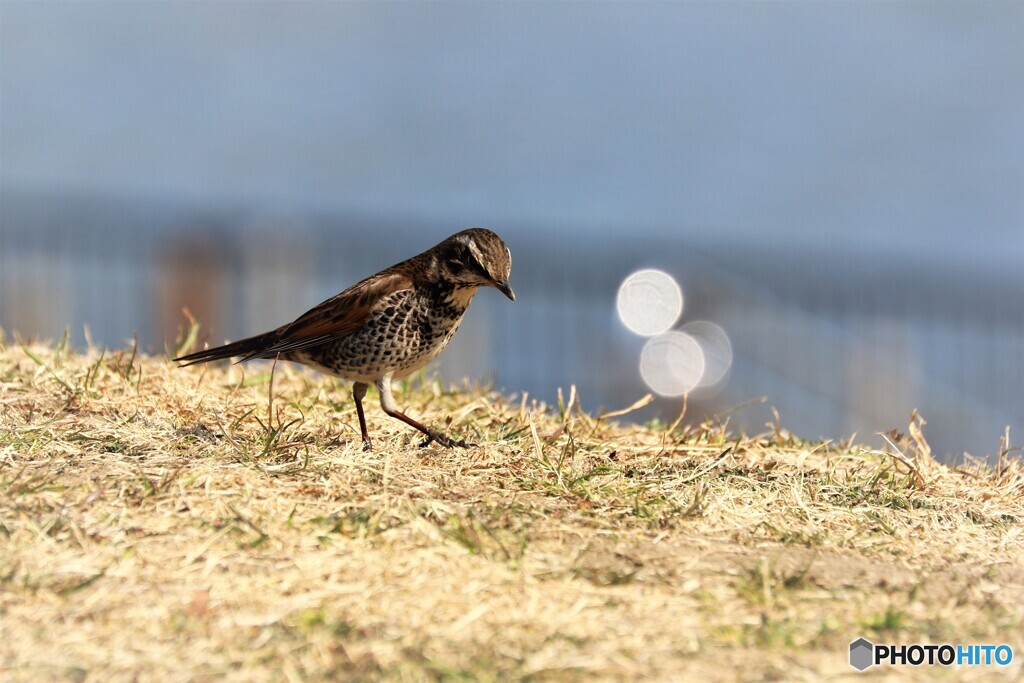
pixel 339 316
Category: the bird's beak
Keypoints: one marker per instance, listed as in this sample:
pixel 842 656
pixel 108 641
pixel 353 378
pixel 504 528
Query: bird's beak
pixel 502 286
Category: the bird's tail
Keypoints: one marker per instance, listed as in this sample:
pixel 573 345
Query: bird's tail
pixel 245 348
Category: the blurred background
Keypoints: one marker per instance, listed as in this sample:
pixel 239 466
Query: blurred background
pixel 837 189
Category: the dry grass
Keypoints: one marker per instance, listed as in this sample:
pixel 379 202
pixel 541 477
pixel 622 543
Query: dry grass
pixel 165 524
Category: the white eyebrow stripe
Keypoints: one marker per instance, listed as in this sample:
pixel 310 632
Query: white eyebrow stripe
pixel 476 254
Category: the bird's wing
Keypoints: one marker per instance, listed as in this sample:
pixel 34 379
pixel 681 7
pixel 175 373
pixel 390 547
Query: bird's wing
pixel 339 316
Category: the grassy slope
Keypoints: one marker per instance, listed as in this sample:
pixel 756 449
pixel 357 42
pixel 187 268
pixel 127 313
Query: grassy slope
pixel 167 524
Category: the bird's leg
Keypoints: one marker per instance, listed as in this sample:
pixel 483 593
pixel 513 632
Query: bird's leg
pixel 358 392
pixel 387 402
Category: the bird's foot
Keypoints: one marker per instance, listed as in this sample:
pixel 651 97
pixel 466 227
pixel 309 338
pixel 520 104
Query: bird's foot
pixel 444 440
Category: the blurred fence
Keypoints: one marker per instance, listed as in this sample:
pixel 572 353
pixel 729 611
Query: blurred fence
pixel 838 343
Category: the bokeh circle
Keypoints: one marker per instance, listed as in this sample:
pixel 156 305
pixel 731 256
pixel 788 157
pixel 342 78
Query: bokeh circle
pixel 649 302
pixel 672 363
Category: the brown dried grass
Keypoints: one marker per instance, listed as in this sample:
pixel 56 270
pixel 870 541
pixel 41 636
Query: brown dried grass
pixel 164 524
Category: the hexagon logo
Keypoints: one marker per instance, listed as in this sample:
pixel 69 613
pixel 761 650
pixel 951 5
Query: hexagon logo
pixel 862 654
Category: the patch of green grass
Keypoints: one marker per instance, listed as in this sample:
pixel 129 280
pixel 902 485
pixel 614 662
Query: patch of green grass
pixel 888 622
pixel 484 535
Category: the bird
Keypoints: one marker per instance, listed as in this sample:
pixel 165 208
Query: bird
pixel 387 326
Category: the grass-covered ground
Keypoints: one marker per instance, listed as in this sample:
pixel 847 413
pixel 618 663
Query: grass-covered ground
pixel 166 524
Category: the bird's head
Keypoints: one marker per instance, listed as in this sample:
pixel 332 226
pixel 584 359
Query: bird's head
pixel 476 258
